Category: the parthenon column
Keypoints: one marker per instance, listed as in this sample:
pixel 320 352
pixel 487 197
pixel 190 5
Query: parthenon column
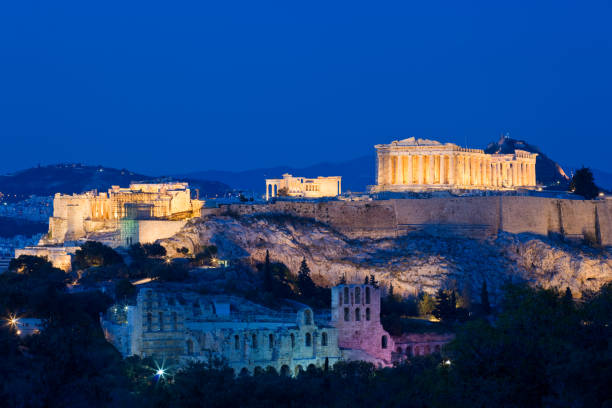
pixel 451 169
pixel 421 170
pixel 398 169
pixel 442 170
pixel 389 171
pixel 408 170
pixel 430 170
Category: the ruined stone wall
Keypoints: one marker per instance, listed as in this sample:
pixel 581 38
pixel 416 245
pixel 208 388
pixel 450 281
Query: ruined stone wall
pixel 469 216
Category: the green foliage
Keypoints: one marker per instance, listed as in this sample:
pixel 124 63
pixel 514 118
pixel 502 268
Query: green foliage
pixel 93 253
pixel 427 305
pixel 446 305
pixel 140 251
pixel 393 309
pixel 583 183
pixel 306 286
pixel 182 250
pixel 206 257
pixel 124 290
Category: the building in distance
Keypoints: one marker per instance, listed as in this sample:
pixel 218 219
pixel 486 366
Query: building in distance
pixel 422 165
pixel 290 186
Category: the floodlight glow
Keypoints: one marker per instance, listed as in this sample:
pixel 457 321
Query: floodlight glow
pixel 160 372
pixel 447 362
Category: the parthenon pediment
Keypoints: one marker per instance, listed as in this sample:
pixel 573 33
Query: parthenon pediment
pixel 411 141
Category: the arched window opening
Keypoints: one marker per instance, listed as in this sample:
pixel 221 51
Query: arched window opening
pixel 292 340
pixel 367 295
pixel 307 316
pixel 285 371
pixel 308 340
pixel 339 298
pixel 437 348
pixel 161 321
pixel 408 351
pixel 271 341
pixel 384 342
pixel 236 342
pixel 358 295
pixel 398 350
pixel 357 315
pixel 149 322
pixel 174 321
pixel 427 349
pixel 254 341
pixel 346 295
pixel 367 313
pixel 346 314
pixel 189 347
pixel 324 339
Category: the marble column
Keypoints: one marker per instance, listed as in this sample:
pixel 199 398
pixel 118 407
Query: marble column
pixel 451 169
pixel 408 170
pixel 421 173
pixel 442 170
pixel 380 176
pixel 398 169
pixel 430 170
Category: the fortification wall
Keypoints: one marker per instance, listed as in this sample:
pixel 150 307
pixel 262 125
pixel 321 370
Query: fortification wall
pixel 150 231
pixel 468 216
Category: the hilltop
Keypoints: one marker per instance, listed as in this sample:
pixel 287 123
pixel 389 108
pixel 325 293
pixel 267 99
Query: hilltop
pixel 68 178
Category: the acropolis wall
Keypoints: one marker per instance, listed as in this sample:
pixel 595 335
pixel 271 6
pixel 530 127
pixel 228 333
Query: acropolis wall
pixel 470 216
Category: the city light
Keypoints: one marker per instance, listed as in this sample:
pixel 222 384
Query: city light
pixel 160 372
pixel 447 362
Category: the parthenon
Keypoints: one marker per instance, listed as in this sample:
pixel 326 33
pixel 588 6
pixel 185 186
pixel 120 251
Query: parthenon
pixel 420 164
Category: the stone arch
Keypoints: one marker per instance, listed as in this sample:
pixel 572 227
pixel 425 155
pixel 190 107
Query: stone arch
pixel 270 341
pixel 244 372
pixel 384 341
pixel 347 316
pixel 346 295
pixel 311 367
pixel 270 370
pixel 298 370
pixel 324 339
pixel 174 321
pixel 285 371
pixel 258 370
pixel 254 341
pixel 358 295
pixel 161 321
pixel 367 313
pixel 292 340
pixel 357 315
pixel 237 342
pixel 149 321
pixel 398 350
pixel 189 347
pixel 275 192
pixel 308 339
pixel 368 295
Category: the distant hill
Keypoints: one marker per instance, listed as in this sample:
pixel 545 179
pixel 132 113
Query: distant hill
pixel 548 172
pixel 356 174
pixel 77 178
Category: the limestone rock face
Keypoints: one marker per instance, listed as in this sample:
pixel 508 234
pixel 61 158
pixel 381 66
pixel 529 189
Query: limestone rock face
pixel 412 263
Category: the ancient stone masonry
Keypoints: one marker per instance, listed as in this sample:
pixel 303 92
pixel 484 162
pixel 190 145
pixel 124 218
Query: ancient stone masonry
pixel 356 315
pixel 418 164
pixel 467 216
pixel 75 216
pixel 187 327
pixel 304 187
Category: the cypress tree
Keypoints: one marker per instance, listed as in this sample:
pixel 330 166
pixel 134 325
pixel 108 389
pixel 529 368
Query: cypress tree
pixel 305 284
pixel 484 299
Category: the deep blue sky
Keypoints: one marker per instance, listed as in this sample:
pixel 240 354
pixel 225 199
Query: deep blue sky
pixel 172 87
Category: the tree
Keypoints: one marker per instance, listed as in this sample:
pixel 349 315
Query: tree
pixel 124 290
pixel 427 304
pixel 445 305
pixel 283 192
pixel 484 299
pixel 306 286
pixel 267 273
pixel 93 253
pixel 373 281
pixel 583 183
pixel 206 257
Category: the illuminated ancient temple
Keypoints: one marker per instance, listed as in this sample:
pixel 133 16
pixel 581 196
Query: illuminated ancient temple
pixel 420 164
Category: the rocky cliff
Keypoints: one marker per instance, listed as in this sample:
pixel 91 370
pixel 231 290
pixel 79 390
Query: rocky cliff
pixel 412 263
